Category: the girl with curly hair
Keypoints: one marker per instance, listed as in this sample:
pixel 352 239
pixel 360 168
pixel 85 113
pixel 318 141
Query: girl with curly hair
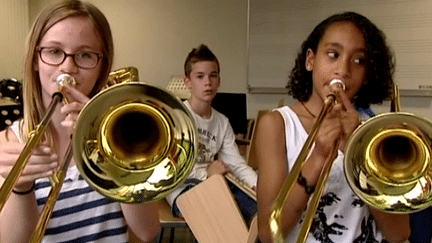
pixel 348 47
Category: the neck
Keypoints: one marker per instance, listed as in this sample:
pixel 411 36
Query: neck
pixel 203 109
pixel 307 110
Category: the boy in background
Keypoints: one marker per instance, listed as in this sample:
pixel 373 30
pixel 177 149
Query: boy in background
pixel 217 152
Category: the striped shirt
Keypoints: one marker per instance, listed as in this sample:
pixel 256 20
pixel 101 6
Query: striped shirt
pixel 80 213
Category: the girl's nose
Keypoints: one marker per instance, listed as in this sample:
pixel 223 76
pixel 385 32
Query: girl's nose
pixel 68 65
pixel 343 68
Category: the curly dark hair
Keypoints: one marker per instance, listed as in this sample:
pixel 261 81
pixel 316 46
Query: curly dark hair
pixel 380 63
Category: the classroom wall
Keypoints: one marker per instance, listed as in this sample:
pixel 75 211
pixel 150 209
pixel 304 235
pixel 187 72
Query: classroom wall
pixel 277 28
pixel 155 37
pixel 13 29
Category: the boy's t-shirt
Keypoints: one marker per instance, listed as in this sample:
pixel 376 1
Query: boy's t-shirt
pixel 216 138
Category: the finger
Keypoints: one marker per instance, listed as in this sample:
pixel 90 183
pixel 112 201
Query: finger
pixel 72 107
pixel 72 94
pixel 343 99
pixel 35 169
pixel 31 171
pixel 70 119
pixel 12 159
pixel 337 109
pixel 14 149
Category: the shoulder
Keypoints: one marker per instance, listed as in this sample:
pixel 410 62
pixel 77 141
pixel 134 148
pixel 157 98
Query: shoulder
pixel 7 135
pixel 271 119
pixel 270 126
pixel 218 114
pixel 219 118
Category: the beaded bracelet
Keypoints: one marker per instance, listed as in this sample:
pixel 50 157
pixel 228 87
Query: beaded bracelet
pixel 303 182
pixel 25 192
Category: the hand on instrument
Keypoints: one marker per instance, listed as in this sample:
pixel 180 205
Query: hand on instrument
pixel 329 134
pixel 217 167
pixel 349 116
pixel 41 163
pixel 76 101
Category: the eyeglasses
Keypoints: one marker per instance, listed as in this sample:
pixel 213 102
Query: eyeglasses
pixel 55 57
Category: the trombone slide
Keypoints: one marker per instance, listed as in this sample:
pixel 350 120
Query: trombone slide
pixel 35 135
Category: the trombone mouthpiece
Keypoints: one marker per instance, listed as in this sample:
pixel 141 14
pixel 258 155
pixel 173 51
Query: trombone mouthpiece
pixel 63 79
pixel 337 83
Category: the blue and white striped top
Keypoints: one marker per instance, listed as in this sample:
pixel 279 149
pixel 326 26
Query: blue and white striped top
pixel 80 214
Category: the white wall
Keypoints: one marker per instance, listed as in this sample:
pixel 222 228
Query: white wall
pixel 278 28
pixel 156 36
pixel 13 29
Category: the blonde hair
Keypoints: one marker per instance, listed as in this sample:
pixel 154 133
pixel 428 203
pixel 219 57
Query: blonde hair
pixel 32 95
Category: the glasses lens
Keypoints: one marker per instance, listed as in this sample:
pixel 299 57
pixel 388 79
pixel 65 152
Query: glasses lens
pixel 86 59
pixel 52 56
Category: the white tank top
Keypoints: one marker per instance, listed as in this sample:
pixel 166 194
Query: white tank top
pixel 341 216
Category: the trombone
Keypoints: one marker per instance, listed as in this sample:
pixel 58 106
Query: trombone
pixel 387 164
pixel 132 142
pixel 34 138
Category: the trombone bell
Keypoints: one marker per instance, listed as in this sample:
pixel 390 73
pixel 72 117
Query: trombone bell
pixel 134 143
pixel 134 135
pixel 388 162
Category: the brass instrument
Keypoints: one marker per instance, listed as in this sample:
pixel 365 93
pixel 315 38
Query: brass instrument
pixel 387 164
pixel 282 197
pixel 392 172
pixel 122 75
pixel 34 137
pixel 132 142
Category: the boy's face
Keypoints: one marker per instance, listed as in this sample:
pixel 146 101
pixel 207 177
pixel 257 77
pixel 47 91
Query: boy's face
pixel 203 80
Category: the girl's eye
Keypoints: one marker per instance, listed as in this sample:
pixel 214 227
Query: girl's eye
pixel 84 55
pixel 54 51
pixel 333 54
pixel 359 60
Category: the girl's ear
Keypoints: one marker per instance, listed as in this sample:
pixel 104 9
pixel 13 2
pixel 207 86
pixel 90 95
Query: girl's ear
pixel 310 55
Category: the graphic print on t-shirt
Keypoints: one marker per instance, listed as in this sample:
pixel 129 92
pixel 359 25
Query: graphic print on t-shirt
pixel 322 231
pixel 207 139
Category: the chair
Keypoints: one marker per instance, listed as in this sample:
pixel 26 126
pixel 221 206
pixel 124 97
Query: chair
pixel 250 152
pixel 169 221
pixel 11 105
pixel 177 86
pixel 212 214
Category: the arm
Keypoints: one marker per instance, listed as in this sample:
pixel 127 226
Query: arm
pixel 142 219
pixel 19 216
pixel 271 155
pixel 395 227
pixel 231 156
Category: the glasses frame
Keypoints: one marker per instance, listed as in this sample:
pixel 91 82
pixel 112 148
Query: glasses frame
pixel 73 55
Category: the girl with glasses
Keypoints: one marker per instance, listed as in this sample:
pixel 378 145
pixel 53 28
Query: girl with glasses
pixel 74 38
